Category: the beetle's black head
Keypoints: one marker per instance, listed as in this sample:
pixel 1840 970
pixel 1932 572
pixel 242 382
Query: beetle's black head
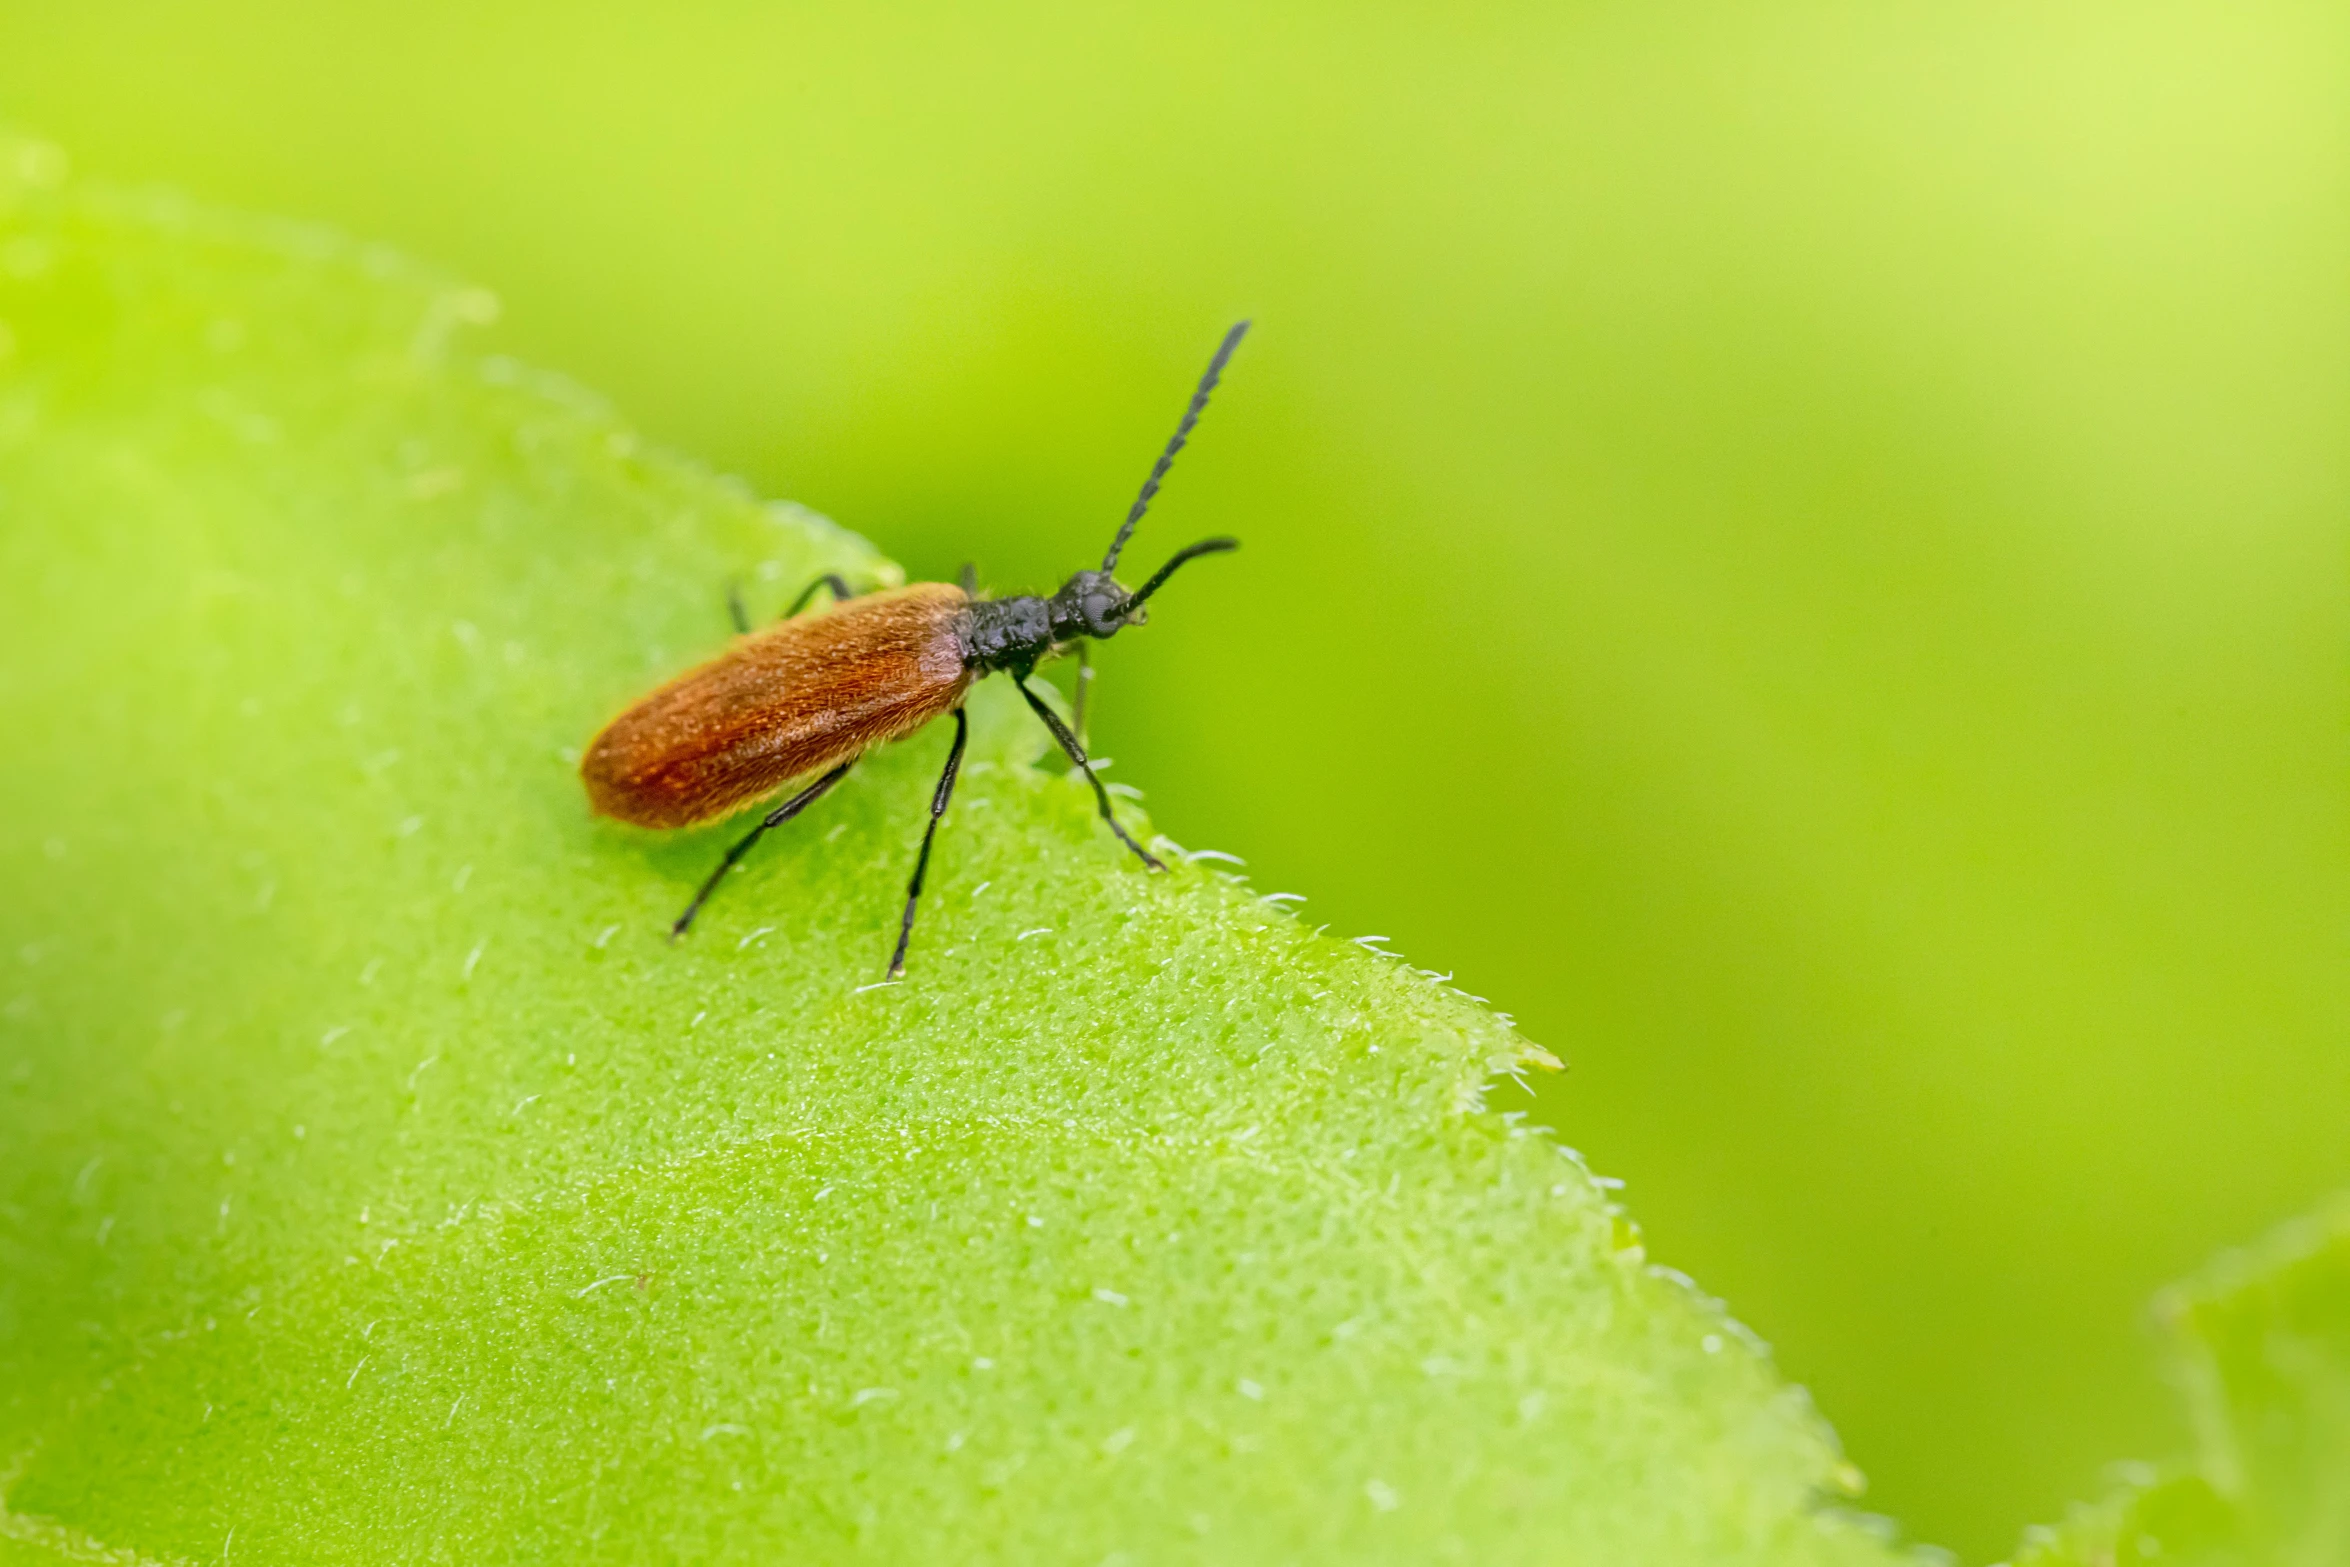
pixel 1014 633
pixel 1091 604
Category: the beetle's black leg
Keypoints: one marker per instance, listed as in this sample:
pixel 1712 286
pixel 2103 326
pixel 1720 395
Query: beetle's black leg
pixel 734 609
pixel 1084 684
pixel 832 580
pixel 938 808
pixel 968 580
pixel 1084 687
pixel 775 818
pixel 1077 754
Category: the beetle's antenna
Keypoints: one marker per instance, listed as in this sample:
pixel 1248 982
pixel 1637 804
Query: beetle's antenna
pixel 1188 552
pixel 1150 486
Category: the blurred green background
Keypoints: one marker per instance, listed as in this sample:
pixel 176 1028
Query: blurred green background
pixel 1798 547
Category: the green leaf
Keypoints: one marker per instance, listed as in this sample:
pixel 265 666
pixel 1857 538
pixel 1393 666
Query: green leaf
pixel 379 1184
pixel 2261 1344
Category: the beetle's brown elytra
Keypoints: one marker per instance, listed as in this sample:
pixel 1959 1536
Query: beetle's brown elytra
pixel 797 699
pixel 814 693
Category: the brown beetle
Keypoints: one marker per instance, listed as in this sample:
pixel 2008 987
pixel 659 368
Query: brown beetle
pixel 814 693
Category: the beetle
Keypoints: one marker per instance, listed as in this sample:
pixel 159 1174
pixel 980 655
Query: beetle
pixel 814 693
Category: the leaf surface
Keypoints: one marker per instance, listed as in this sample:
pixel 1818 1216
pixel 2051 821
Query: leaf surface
pixel 2261 1345
pixel 379 1184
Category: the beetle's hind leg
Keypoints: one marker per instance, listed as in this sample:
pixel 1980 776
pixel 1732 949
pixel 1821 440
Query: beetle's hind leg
pixel 831 579
pixel 1070 744
pixel 775 818
pixel 938 808
pixel 742 617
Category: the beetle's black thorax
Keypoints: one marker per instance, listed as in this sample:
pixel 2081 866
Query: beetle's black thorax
pixel 1008 633
pixel 1015 633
